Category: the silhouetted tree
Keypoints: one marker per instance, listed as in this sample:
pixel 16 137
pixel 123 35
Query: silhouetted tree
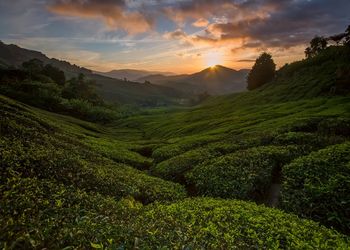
pixel 33 66
pixel 308 52
pixel 347 36
pixel 337 38
pixel 80 88
pixel 317 44
pixel 55 74
pixel 262 72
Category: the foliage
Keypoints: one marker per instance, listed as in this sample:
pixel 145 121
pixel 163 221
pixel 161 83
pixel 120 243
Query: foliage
pixel 55 74
pixel 42 150
pixel 316 186
pixel 176 167
pixel 80 88
pixel 347 36
pixel 45 214
pixel 33 66
pixel 317 45
pixel 262 72
pixel 37 214
pixel 244 174
pixel 180 146
pixel 43 86
pixel 87 111
pixel 202 223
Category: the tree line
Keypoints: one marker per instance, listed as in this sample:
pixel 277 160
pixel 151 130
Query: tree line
pixel 264 69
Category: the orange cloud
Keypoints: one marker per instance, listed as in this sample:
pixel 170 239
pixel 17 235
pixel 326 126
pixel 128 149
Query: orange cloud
pixel 201 23
pixel 111 12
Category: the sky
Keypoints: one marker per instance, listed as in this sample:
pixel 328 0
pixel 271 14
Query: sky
pixel 167 35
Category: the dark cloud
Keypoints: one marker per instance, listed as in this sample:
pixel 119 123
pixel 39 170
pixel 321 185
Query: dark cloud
pixel 259 23
pixel 265 23
pixel 113 12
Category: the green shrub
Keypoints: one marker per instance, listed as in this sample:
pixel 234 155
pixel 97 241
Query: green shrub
pixel 335 126
pixel 45 95
pixel 202 223
pixel 119 152
pixel 38 214
pixel 34 148
pixel 317 186
pixel 313 141
pixel 244 174
pixel 176 167
pixel 87 111
pixel 323 125
pixel 181 145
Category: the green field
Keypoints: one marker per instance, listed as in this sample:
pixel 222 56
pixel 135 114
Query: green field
pixel 201 177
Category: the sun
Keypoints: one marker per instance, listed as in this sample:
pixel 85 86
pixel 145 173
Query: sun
pixel 213 58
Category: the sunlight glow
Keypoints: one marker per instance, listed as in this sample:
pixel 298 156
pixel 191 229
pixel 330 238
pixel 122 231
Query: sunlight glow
pixel 213 58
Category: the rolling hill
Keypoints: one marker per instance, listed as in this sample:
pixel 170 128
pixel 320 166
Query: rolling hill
pixel 215 80
pixel 264 169
pixel 131 74
pixel 113 90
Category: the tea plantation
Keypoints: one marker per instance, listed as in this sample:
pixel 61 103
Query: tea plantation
pixel 264 169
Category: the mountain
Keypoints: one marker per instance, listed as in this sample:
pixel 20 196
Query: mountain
pixel 220 80
pixel 113 90
pixel 131 74
pixel 13 55
pixel 215 80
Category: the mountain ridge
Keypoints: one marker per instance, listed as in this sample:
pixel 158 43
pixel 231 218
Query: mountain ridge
pixel 131 74
pixel 113 90
pixel 216 80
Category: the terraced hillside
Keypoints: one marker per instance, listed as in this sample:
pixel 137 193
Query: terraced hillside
pixel 265 169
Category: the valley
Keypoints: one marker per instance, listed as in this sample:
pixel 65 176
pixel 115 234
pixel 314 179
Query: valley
pixel 252 169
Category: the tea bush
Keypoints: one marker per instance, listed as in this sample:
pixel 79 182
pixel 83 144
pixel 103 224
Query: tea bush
pixel 204 223
pixel 317 186
pixel 245 174
pixel 31 146
pixel 38 214
pixel 179 146
pixel 176 167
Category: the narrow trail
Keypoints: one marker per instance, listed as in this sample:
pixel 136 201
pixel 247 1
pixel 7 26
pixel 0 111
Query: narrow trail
pixel 274 192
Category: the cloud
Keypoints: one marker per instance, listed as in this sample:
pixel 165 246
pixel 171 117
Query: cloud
pixel 113 12
pixel 275 23
pixel 264 23
pixel 246 60
pixel 201 23
pixel 176 34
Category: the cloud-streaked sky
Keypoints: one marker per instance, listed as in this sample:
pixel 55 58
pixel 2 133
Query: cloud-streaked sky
pixel 179 36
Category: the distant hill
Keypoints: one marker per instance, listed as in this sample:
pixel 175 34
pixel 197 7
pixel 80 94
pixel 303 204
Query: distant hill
pixel 214 80
pixel 14 55
pixel 131 74
pixel 113 90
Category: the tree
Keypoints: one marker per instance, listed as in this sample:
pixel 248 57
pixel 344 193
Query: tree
pixel 308 52
pixel 347 36
pixel 55 74
pixel 317 44
pixel 80 88
pixel 262 72
pixel 33 66
pixel 337 38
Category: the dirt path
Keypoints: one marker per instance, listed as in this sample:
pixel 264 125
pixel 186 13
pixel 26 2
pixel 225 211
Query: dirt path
pixel 274 192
